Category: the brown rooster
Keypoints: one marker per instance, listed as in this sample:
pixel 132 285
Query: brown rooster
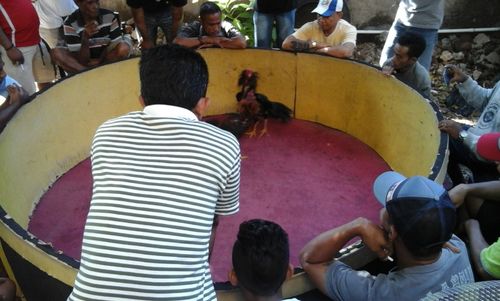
pixel 252 108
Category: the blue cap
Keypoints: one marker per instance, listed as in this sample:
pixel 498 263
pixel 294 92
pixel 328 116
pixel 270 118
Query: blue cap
pixel 328 7
pixel 420 209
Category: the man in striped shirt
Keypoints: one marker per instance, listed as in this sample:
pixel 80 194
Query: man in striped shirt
pixel 161 178
pixel 92 36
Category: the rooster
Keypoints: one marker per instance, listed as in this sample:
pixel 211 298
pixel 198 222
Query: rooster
pixel 252 109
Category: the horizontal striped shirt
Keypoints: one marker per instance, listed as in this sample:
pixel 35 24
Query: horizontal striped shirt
pixel 159 175
pixel 109 32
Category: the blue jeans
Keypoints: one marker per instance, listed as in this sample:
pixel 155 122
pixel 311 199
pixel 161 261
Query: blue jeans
pixel 162 19
pixel 397 29
pixel 263 28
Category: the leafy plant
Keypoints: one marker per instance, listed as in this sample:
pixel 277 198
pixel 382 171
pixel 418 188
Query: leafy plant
pixel 240 14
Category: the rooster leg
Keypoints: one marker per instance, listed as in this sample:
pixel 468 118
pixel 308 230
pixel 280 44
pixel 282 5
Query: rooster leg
pixel 264 129
pixel 253 132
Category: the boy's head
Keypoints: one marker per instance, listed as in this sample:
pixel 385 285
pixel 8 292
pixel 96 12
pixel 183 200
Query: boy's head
pixel 407 50
pixel 173 75
pixel 419 209
pixel 261 258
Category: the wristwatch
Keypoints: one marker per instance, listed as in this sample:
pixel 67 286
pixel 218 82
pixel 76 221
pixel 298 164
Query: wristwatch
pixel 462 135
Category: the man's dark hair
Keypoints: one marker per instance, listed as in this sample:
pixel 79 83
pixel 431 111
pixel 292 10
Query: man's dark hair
pixel 209 8
pixel 261 257
pixel 422 239
pixel 173 75
pixel 415 43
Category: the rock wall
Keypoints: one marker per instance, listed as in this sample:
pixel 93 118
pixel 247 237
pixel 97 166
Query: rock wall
pixel 379 14
pixel 376 14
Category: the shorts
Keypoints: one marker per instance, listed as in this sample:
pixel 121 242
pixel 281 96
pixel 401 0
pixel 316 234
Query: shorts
pixel 44 70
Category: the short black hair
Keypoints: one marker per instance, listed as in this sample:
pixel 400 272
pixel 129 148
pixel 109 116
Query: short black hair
pixel 209 8
pixel 416 44
pixel 423 239
pixel 173 75
pixel 261 257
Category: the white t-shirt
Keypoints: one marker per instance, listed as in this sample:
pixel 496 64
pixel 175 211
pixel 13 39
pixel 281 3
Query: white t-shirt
pixel 343 33
pixel 51 12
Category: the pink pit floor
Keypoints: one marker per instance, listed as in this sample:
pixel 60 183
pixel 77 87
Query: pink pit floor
pixel 306 177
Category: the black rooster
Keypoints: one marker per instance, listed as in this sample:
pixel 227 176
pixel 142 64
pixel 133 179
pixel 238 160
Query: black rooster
pixel 252 108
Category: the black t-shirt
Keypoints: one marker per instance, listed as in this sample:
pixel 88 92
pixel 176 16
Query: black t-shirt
pixel 275 6
pixel 155 5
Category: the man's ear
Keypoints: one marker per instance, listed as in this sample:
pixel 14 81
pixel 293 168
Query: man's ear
pixel 340 14
pixel 141 101
pixel 232 277
pixel 393 234
pixel 201 107
pixel 413 60
pixel 289 272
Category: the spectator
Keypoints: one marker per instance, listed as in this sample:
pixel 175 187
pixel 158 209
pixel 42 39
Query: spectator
pixel 268 13
pixel 12 97
pixel 7 289
pixel 416 224
pixel 485 258
pixel 422 17
pixel 330 34
pixel 463 139
pixel 19 39
pixel 149 15
pixel 161 178
pixel 482 204
pixel 261 260
pixel 404 64
pixel 52 14
pixel 210 31
pixel 92 36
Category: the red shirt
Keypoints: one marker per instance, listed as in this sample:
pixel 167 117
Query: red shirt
pixel 19 22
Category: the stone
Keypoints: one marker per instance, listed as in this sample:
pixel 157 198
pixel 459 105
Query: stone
pixel 476 74
pixel 493 58
pixel 445 44
pixel 446 56
pixel 480 40
pixel 458 56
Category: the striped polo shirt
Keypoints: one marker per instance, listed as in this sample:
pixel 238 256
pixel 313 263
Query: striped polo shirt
pixel 109 32
pixel 159 176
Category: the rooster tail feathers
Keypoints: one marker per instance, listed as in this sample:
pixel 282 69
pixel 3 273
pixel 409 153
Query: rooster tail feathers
pixel 280 111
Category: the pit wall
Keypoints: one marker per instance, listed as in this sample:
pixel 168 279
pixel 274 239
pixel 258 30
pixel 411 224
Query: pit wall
pixel 53 133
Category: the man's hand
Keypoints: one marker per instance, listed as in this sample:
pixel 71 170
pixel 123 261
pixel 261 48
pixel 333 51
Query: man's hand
pixel 456 74
pixel 15 55
pixel 374 238
pixel 17 95
pixel 458 194
pixel 91 29
pixel 450 127
pixel 451 247
pixel 388 68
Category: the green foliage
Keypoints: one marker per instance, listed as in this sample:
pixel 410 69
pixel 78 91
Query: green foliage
pixel 240 14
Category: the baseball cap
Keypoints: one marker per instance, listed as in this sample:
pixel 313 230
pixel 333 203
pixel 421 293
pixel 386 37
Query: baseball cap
pixel 328 7
pixel 419 208
pixel 488 146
